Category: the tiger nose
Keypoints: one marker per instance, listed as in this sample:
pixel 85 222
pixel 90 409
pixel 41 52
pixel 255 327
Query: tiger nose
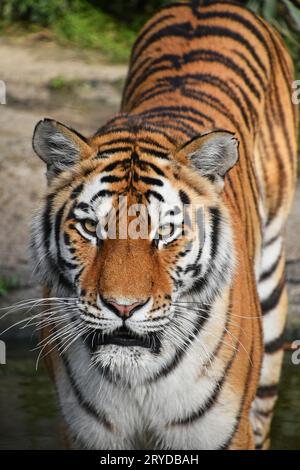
pixel 123 311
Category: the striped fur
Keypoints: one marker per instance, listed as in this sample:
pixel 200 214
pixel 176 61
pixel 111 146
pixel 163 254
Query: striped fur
pixel 214 314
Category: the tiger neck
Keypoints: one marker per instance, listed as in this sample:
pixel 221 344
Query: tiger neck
pixel 219 260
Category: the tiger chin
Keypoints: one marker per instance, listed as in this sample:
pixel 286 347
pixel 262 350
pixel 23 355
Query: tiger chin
pixel 159 241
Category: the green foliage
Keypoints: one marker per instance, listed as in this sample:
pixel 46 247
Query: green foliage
pixel 132 11
pixel 88 26
pixel 76 21
pixel 111 26
pixel 7 284
pixel 58 83
pixel 284 15
pixel 42 12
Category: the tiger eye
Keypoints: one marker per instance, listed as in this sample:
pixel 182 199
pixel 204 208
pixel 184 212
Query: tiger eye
pixel 89 225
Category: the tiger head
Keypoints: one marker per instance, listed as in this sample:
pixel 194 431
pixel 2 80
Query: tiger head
pixel 132 231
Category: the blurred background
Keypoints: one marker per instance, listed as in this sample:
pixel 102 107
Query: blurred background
pixel 67 59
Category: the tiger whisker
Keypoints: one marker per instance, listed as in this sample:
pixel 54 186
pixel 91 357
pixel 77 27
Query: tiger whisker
pixel 60 335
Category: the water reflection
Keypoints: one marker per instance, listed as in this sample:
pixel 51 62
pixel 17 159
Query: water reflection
pixel 286 423
pixel 30 417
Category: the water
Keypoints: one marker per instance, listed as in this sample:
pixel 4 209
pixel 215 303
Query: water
pixel 286 423
pixel 30 418
pixel 28 411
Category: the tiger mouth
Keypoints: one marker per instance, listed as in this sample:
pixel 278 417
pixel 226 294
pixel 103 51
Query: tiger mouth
pixel 122 337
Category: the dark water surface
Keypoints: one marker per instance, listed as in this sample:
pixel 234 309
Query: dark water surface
pixel 29 416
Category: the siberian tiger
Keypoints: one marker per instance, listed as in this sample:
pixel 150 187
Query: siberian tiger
pixel 166 341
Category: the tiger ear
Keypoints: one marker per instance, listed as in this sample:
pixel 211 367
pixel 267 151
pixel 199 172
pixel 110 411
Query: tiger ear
pixel 58 146
pixel 212 154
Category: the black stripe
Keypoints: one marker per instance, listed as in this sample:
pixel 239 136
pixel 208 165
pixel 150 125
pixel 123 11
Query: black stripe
pixel 216 351
pixel 77 276
pixel 119 140
pixel 142 75
pixel 185 129
pixel 212 399
pixel 271 302
pixel 293 261
pixel 261 445
pixel 151 181
pixel 208 55
pixel 201 283
pixel 148 140
pixel 148 28
pixel 275 345
pixel 267 391
pixel 180 353
pixel 114 150
pixel 112 179
pixel 269 272
pixel 47 225
pixel 250 106
pixel 204 408
pixel 199 55
pixel 293 280
pixel 265 414
pixel 61 262
pixel 112 166
pixel 187 31
pixel 147 127
pixel 225 88
pixel 67 239
pixel 83 206
pixel 110 127
pixel 152 92
pixel 88 171
pixel 151 128
pixel 282 114
pixel 226 445
pixel 153 193
pixel 76 191
pixel 102 193
pixel 216 217
pixel 252 68
pixel 272 240
pixel 178 117
pixel 57 226
pixel 100 416
pixel 227 15
pixel 154 153
pixel 176 111
pixel 242 20
pixel 143 163
pixel 232 189
pixel 47 230
pixel 184 197
pixel 201 78
pixel 270 117
pixel 218 106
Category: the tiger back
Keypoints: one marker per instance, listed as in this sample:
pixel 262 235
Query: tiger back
pixel 168 341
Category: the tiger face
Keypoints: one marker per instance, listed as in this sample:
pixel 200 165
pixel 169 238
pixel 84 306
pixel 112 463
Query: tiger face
pixel 130 235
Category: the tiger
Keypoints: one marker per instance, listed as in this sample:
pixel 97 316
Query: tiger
pixel 168 340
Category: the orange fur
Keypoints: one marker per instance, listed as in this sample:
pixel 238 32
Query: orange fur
pixel 256 106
